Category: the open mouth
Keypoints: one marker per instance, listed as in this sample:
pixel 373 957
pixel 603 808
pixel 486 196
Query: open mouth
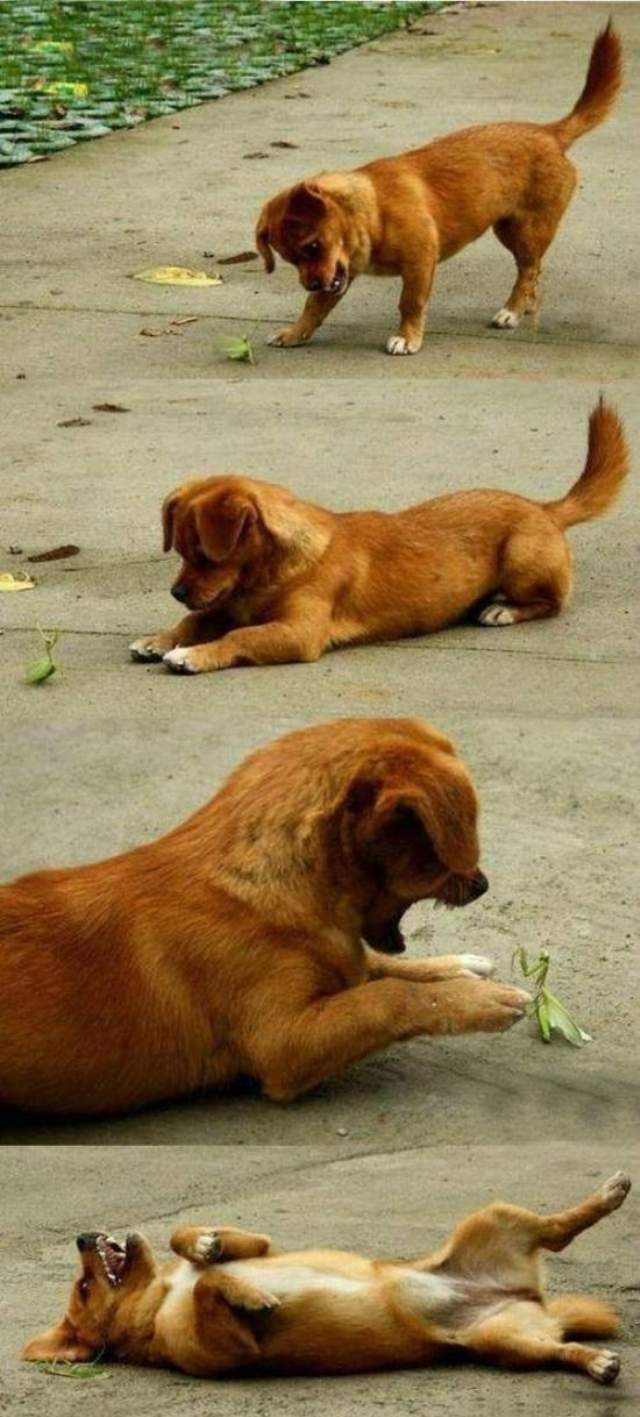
pixel 113 1258
pixel 339 283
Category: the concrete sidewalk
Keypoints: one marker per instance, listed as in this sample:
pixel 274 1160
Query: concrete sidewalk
pixel 109 754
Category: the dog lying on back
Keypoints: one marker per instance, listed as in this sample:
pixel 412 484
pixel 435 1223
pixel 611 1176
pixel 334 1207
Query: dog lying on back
pixel 400 216
pixel 229 1302
pixel 269 578
pixel 252 940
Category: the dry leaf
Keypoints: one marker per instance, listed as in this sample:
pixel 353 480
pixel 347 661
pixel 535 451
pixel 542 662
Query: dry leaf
pixel 177 275
pixel 74 422
pixel 184 320
pixel 111 408
pixel 282 143
pixel 235 260
pixel 57 553
pixel 259 154
pixel 153 334
pixel 21 581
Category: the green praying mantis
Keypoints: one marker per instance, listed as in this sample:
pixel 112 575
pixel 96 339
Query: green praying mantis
pixel 550 1015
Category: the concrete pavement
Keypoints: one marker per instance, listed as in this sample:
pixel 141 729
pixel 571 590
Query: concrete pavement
pixel 109 753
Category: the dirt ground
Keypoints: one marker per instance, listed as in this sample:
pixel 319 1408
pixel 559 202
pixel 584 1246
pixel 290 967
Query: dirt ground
pixel 109 754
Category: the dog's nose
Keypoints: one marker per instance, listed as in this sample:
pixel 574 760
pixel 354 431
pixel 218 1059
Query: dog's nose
pixel 480 885
pixel 180 592
pixel 87 1241
pixel 315 284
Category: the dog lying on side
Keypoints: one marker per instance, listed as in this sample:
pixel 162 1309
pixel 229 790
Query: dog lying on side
pixel 269 578
pixel 252 940
pixel 229 1302
pixel 401 215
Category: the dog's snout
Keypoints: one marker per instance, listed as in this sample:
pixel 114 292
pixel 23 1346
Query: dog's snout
pixel 180 592
pixel 314 284
pixel 87 1241
pixel 480 885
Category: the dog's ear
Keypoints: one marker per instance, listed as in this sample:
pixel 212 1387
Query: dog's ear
pixel 58 1343
pixel 169 508
pixel 262 240
pixel 306 205
pixel 443 806
pixel 222 521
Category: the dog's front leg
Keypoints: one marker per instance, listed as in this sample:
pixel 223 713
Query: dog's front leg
pixel 315 311
pixel 203 1245
pixel 275 643
pixel 299 1050
pixel 418 270
pixel 195 628
pixel 422 970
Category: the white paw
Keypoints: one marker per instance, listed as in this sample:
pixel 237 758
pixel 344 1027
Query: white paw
pixel 143 650
pixel 605 1366
pixel 397 344
pixel 178 661
pixel 286 339
pixel 495 615
pixel 616 1189
pixel 208 1247
pixel 478 965
pixel 505 319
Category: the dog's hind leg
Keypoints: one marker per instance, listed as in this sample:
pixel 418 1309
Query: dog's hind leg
pixel 535 579
pixel 528 234
pixel 525 1335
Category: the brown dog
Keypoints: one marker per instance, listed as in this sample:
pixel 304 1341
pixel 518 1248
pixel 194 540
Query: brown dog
pixel 270 579
pixel 251 940
pixel 400 216
pixel 230 1303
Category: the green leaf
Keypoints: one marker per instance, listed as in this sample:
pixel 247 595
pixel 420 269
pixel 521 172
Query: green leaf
pixel 561 1021
pixel 238 348
pixel 40 669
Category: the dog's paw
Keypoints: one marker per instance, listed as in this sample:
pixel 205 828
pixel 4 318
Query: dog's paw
pixel 605 1366
pixel 207 1248
pixel 287 338
pixel 616 1189
pixel 505 319
pixel 260 1302
pixel 479 966
pixel 397 344
pixel 497 614
pixel 150 648
pixel 181 661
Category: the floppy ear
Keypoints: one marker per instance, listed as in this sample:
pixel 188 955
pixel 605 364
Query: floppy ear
pixel 306 204
pixel 60 1342
pixel 262 241
pixel 222 522
pixel 444 808
pixel 169 507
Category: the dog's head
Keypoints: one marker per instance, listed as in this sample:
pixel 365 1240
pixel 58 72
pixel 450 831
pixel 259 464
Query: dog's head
pixel 307 227
pixel 225 529
pixel 406 824
pixel 110 1277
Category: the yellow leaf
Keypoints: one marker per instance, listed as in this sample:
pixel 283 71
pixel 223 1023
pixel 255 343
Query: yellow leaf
pixel 177 275
pixel 20 582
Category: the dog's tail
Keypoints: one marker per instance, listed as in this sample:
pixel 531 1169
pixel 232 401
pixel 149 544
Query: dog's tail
pixel 604 77
pixel 604 471
pixel 583 1315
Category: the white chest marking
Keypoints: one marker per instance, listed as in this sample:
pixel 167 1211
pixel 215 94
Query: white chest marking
pixel 288 1282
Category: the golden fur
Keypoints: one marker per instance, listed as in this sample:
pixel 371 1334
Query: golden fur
pixel 231 1303
pixel 252 939
pixel 269 578
pixel 400 216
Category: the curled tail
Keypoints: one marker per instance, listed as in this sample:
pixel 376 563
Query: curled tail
pixel 604 472
pixel 582 1315
pixel 604 77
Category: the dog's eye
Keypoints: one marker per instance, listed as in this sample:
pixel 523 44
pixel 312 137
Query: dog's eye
pixel 313 249
pixel 84 1286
